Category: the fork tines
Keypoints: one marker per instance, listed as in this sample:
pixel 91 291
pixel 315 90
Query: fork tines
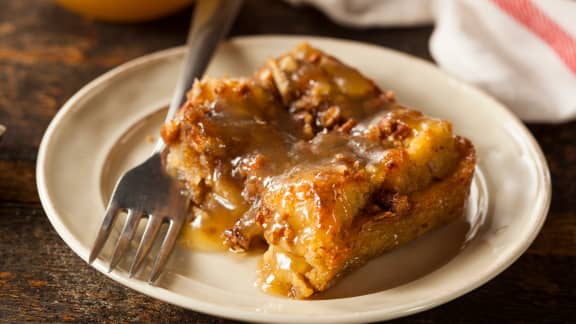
pixel 153 227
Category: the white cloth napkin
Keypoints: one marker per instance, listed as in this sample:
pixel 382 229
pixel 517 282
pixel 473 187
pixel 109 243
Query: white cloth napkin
pixel 368 13
pixel 523 52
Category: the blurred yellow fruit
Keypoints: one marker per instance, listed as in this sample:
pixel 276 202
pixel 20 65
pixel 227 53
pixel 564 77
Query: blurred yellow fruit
pixel 124 10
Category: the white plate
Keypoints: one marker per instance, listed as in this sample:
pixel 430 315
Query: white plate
pixel 101 131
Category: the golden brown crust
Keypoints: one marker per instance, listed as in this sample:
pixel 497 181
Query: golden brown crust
pixel 316 160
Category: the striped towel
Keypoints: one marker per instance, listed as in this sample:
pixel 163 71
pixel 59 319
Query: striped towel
pixel 523 52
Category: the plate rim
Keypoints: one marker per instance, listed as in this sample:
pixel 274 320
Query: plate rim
pixel 541 206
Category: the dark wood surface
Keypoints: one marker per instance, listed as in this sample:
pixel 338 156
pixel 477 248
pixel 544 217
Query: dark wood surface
pixel 47 53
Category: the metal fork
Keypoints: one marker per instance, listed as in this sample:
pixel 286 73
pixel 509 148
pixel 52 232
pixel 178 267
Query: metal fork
pixel 147 190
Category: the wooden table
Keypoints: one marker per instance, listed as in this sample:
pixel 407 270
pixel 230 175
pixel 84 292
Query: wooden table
pixel 47 54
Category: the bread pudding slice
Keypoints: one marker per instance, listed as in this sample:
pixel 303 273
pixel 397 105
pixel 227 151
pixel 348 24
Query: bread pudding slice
pixel 312 159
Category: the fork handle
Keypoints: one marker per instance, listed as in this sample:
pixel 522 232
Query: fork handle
pixel 211 22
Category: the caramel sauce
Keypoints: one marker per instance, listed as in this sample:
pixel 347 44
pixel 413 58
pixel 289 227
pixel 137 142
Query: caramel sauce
pixel 276 269
pixel 302 155
pixel 256 154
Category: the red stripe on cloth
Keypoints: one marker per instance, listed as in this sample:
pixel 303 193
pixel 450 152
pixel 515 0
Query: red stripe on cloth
pixel 533 18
